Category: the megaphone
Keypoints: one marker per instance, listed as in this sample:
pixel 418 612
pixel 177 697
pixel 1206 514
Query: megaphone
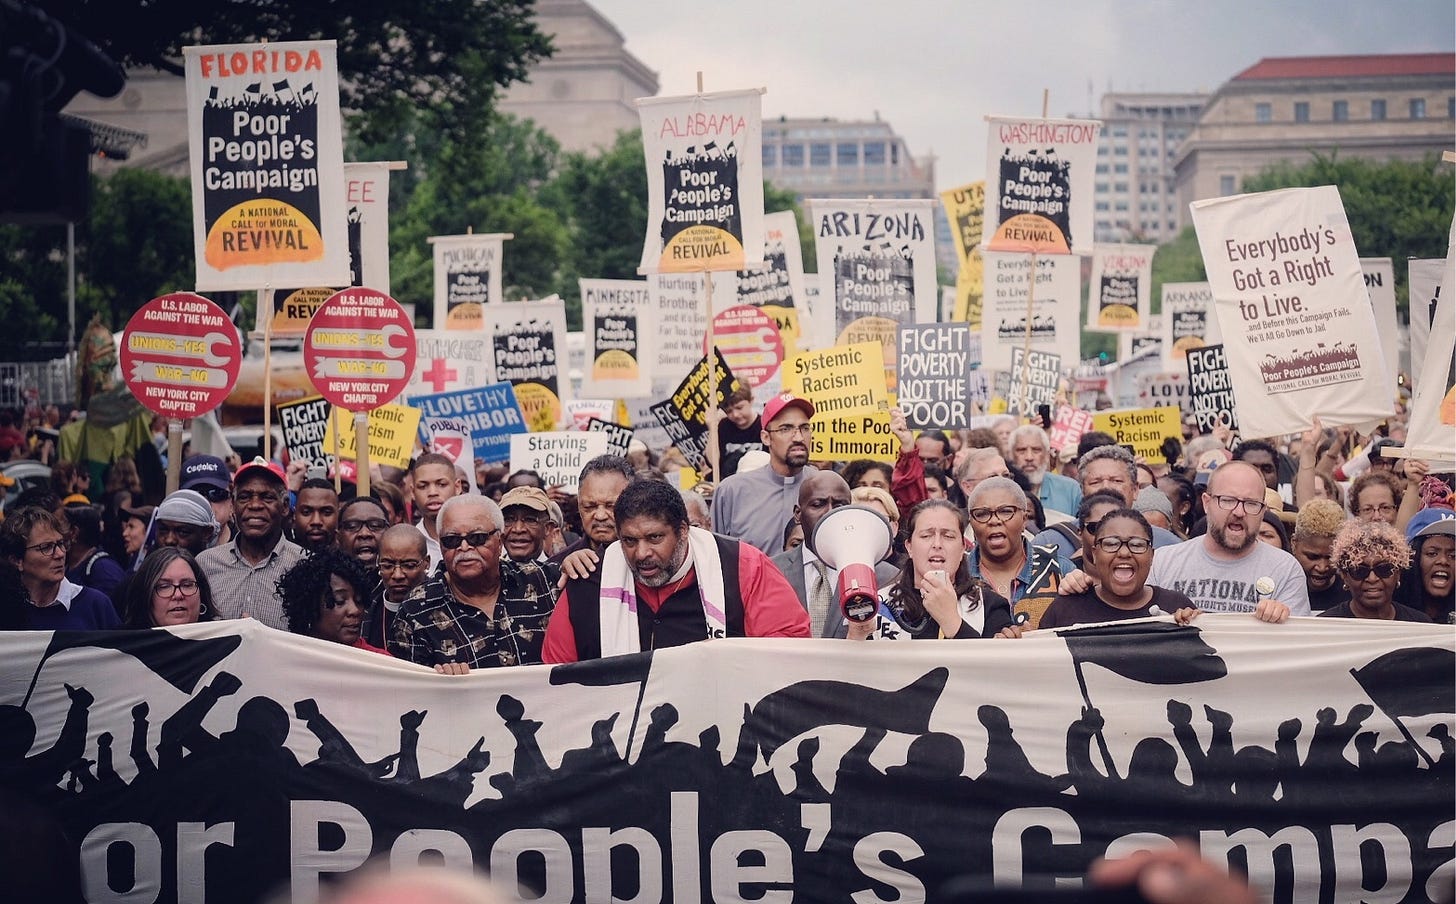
pixel 851 539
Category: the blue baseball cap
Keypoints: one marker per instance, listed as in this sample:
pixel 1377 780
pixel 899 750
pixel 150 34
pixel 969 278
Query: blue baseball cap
pixel 1431 522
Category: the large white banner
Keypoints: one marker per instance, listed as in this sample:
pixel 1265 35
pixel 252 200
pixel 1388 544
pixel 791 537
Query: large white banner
pixel 877 265
pixel 1431 433
pixel 231 762
pixel 682 321
pixel 619 323
pixel 1188 322
pixel 1055 309
pixel 467 278
pixel 1423 278
pixel 529 344
pixel 1039 184
pixel 1298 329
pixel 267 160
pixel 1119 292
pixel 704 157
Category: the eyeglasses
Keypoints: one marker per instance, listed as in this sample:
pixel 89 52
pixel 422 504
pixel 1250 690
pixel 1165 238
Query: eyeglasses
pixel 1383 570
pixel 388 565
pixel 1135 545
pixel 1000 513
pixel 1385 509
pixel 476 539
pixel 531 518
pixel 791 430
pixel 352 526
pixel 1091 527
pixel 49 549
pixel 216 494
pixel 168 588
pixel 1229 503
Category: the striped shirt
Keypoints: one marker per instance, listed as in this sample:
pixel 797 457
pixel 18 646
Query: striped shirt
pixel 240 588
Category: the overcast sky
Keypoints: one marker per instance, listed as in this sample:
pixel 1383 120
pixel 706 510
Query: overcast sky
pixel 934 68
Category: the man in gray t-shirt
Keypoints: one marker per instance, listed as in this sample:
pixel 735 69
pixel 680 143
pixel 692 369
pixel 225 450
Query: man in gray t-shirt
pixel 1228 569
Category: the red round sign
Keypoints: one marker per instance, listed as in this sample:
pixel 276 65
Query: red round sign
pixel 360 349
pixel 750 342
pixel 180 355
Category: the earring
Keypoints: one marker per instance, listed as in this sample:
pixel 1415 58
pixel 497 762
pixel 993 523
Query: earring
pixel 202 609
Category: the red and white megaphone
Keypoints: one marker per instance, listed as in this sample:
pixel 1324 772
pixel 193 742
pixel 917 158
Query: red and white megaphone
pixel 851 539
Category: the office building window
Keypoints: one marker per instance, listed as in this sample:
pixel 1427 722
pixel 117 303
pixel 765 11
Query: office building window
pixel 818 156
pixel 874 153
pixel 1225 185
pixel 1301 111
pixel 1262 113
pixel 1339 112
pixel 770 158
pixel 793 155
pixel 894 161
pixel 1417 111
pixel 848 156
pixel 1377 112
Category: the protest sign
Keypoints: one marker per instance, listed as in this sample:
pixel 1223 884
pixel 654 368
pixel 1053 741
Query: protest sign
pixel 267 162
pixel 685 414
pixel 1188 320
pixel 1130 344
pixel 645 426
pixel 859 434
pixel 1431 433
pixel 682 321
pixel 366 214
pixel 180 355
pixel 1055 311
pixel 392 431
pixel 1379 273
pixel 529 338
pixel 1039 184
pixel 839 380
pixel 304 424
pixel 467 278
pixel 359 350
pixel 558 456
pixel 618 321
pixel 491 412
pixel 750 341
pixel 776 288
pixel 447 360
pixel 491 770
pixel 1423 278
pixel 938 363
pixel 879 260
pixel 965 209
pixel 618 437
pixel 1144 429
pixel 1068 426
pixel 1158 389
pixel 579 411
pixel 1298 329
pixel 450 437
pixel 1035 377
pixel 704 156
pixel 1120 289
pixel 1210 391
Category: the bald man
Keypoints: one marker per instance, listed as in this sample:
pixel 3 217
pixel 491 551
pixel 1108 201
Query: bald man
pixel 404 562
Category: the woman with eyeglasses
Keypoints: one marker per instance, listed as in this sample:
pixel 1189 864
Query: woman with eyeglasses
pixel 1370 556
pixel 1121 557
pixel 169 589
pixel 34 541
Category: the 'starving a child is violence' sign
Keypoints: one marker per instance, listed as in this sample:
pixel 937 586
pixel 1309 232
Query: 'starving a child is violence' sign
pixel 879 258
pixel 467 278
pixel 618 320
pixel 704 182
pixel 736 769
pixel 530 354
pixel 267 161
pixel 1039 184
pixel 558 456
pixel 1298 329
pixel 1119 292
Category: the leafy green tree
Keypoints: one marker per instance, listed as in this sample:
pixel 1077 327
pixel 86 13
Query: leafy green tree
pixel 1177 261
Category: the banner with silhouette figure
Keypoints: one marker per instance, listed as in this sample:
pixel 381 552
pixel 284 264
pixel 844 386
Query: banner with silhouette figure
pixel 227 761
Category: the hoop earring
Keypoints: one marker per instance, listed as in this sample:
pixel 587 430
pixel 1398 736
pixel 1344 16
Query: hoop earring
pixel 201 609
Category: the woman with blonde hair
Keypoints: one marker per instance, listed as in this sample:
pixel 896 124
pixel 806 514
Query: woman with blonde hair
pixel 1370 557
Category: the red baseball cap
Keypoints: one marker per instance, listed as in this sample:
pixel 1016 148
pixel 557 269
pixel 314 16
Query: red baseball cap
pixel 778 403
pixel 270 468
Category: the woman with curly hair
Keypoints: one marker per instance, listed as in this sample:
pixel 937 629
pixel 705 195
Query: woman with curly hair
pixel 168 589
pixel 1370 556
pixel 325 595
pixel 1375 496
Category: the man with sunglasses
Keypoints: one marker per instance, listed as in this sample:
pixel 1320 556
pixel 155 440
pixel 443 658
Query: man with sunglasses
pixel 753 506
pixel 476 614
pixel 244 572
pixel 208 476
pixel 1228 569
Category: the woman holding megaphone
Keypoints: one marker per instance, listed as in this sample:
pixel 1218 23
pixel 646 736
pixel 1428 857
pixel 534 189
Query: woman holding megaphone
pixel 935 595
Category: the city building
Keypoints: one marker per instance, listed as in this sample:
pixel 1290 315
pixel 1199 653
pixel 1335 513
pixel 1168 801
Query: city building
pixel 831 158
pixel 1284 109
pixel 583 94
pixel 1134 194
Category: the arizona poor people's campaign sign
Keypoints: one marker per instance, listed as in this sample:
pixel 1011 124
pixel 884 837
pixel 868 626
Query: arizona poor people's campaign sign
pixel 704 182
pixel 1298 328
pixel 267 159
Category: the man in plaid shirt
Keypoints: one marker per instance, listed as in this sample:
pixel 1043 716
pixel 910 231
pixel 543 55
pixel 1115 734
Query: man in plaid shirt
pixel 484 610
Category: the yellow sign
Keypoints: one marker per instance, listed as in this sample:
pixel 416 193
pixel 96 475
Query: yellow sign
pixel 392 432
pixel 847 437
pixel 965 208
pixel 844 379
pixel 1142 428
